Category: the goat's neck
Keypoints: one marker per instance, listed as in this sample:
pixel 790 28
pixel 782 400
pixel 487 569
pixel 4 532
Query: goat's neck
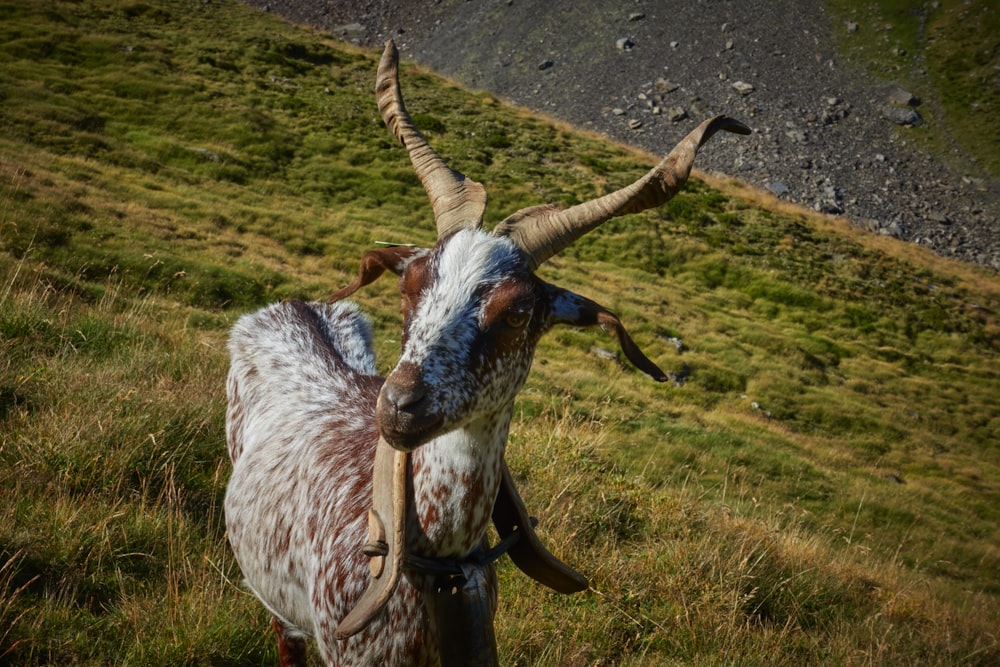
pixel 455 481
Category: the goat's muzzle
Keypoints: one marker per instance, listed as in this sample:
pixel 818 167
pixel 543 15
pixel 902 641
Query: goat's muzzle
pixel 404 411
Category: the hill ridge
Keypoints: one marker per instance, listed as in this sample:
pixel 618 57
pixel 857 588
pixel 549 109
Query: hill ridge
pixel 828 135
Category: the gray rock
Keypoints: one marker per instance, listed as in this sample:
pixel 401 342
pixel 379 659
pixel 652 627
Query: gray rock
pixel 349 28
pixel 896 94
pixel 698 106
pixel 894 228
pixel 663 86
pixel 834 113
pixel 939 217
pixel 603 353
pixel 676 114
pixel 742 87
pixel 901 115
pixel 211 156
pixel 680 376
pixel 675 341
pixel 798 136
pixel 624 44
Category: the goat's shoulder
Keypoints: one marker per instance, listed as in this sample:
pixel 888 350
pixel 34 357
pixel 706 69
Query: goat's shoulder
pixel 292 360
pixel 293 332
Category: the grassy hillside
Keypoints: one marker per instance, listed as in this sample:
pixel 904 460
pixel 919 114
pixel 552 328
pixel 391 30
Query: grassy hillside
pixel 822 485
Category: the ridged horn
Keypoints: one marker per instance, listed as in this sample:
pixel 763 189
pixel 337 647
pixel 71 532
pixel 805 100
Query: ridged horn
pixel 544 231
pixel 457 201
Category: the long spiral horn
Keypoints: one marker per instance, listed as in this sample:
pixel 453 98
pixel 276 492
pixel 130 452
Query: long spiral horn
pixel 457 201
pixel 544 231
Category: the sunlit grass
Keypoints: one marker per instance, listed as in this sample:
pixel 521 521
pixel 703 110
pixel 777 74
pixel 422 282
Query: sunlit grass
pixel 820 485
pixel 676 579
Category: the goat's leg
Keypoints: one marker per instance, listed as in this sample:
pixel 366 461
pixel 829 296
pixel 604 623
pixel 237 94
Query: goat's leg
pixel 291 650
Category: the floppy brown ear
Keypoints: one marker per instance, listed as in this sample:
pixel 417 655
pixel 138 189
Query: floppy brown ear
pixel 376 262
pixel 571 308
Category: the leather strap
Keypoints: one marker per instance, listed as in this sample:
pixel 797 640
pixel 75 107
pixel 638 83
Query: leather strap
pixel 386 525
pixel 386 541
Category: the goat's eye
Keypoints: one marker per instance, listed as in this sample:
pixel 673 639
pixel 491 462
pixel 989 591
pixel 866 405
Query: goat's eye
pixel 517 320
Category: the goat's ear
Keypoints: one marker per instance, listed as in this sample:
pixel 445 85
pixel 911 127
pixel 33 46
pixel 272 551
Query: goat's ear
pixel 376 262
pixel 570 308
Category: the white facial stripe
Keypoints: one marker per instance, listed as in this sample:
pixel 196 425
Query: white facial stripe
pixel 447 316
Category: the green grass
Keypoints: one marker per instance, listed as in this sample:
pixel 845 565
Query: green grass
pixel 823 488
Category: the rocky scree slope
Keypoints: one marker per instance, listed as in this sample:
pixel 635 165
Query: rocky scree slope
pixel 826 135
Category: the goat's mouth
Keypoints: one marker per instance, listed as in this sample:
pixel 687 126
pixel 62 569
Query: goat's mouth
pixel 406 433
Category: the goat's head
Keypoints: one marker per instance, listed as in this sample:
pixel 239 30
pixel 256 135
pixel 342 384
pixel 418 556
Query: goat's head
pixel 473 307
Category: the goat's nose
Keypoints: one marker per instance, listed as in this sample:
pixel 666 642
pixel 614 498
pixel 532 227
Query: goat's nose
pixel 408 398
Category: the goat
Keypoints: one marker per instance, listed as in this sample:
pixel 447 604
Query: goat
pixel 308 414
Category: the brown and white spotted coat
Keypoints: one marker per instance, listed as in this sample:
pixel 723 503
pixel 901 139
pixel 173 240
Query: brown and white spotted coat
pixel 307 408
pixel 303 426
